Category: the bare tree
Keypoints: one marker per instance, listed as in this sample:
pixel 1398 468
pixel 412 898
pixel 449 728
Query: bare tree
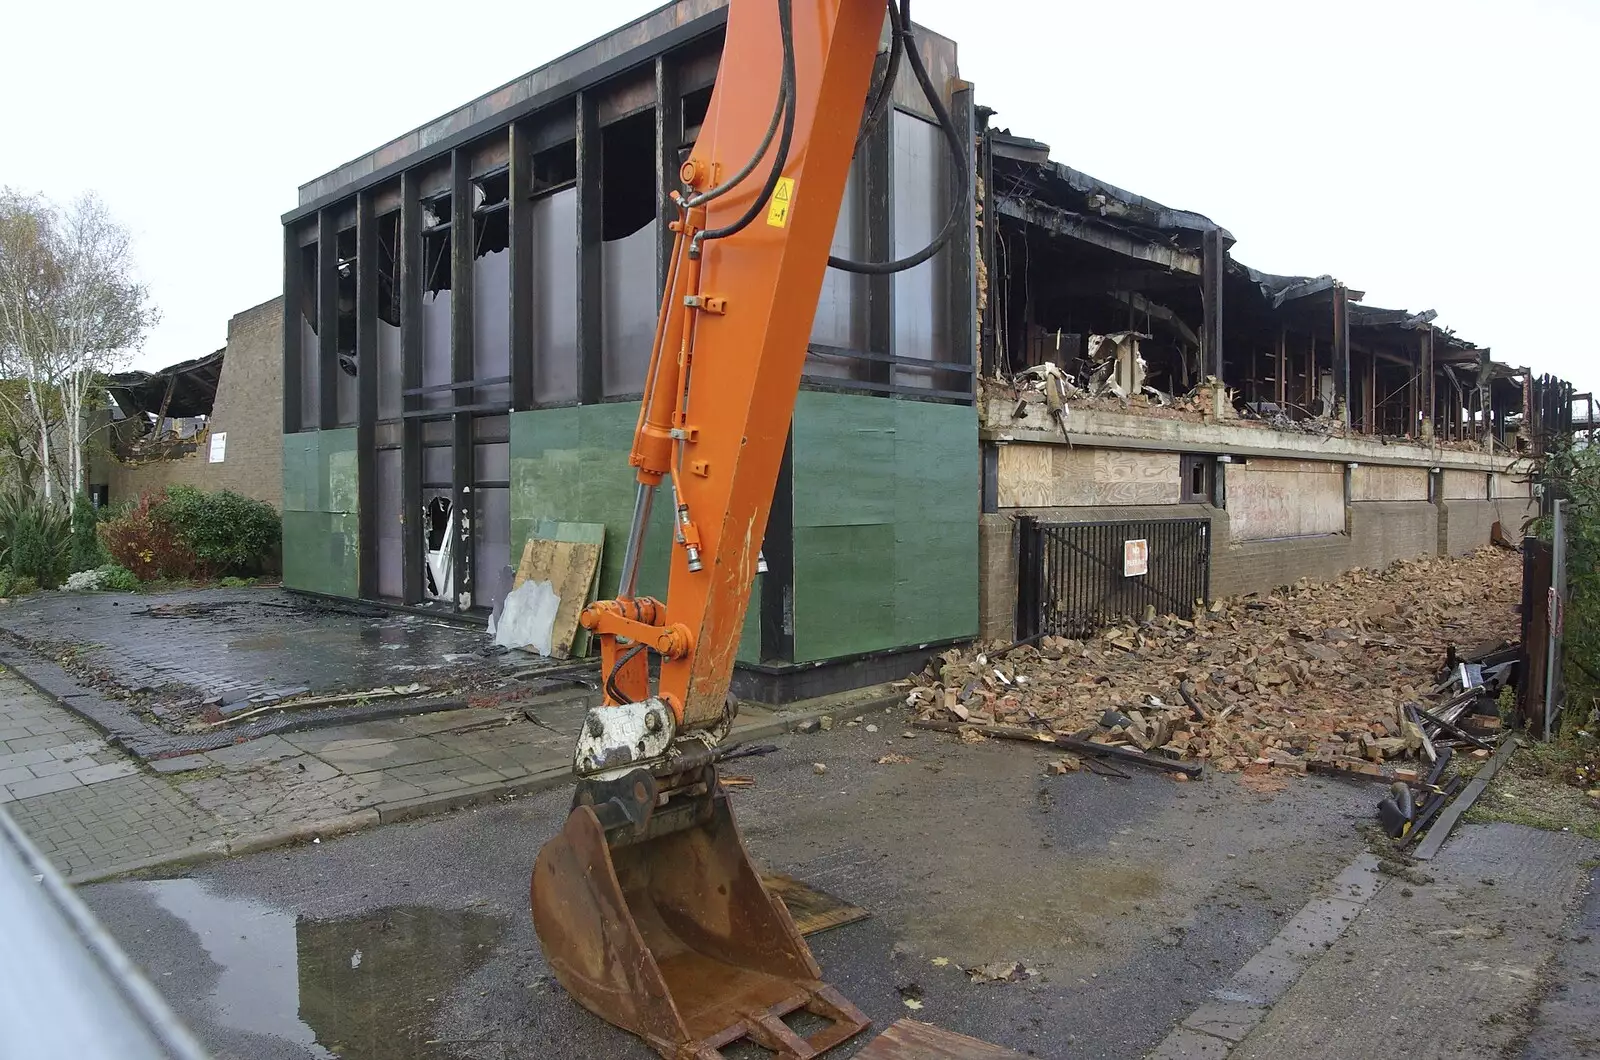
pixel 70 311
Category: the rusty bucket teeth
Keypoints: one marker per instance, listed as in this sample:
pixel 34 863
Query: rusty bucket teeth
pixel 673 936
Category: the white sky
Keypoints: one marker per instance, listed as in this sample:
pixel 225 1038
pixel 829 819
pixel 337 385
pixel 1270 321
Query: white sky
pixel 1435 153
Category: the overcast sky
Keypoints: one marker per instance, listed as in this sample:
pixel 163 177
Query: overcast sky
pixel 1435 153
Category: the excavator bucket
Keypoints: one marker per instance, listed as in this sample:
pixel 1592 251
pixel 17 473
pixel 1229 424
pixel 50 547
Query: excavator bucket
pixel 663 927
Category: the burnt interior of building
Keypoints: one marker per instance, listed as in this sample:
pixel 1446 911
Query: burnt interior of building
pixel 1070 259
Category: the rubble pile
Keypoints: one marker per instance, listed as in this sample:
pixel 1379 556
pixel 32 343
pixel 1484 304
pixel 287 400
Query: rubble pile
pixel 1313 674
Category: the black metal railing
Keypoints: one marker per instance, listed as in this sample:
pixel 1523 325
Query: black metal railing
pixel 1076 578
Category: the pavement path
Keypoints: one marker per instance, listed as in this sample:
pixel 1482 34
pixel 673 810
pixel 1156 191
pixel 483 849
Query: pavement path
pixel 96 812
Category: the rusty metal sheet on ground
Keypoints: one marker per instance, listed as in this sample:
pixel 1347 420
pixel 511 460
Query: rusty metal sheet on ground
pixel 909 1039
pixel 569 567
pixel 812 910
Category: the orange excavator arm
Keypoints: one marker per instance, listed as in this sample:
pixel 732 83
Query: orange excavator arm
pixel 751 248
pixel 646 904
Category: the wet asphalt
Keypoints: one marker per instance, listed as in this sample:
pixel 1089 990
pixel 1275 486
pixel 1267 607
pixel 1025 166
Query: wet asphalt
pixel 1126 900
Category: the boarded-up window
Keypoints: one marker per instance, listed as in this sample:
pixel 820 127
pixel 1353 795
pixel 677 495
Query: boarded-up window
pixel 1389 483
pixel 1270 499
pixel 1466 485
pixel 1053 476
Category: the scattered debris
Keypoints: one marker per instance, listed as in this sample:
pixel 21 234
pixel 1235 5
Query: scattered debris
pixel 819 768
pixel 735 781
pixel 1000 972
pixel 1310 678
pixel 893 760
pixel 386 692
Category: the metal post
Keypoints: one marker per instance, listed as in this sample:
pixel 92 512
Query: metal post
pixel 1341 353
pixel 1213 262
pixel 1556 613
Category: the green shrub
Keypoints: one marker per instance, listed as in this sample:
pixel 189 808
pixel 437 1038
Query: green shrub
pixel 23 586
pixel 237 583
pixel 228 532
pixel 142 540
pixel 35 540
pixel 87 551
pixel 6 581
pixel 115 579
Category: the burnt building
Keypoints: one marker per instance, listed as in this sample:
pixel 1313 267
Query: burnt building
pixel 468 317
pixel 1084 406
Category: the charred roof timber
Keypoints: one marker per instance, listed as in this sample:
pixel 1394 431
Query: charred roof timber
pixel 177 392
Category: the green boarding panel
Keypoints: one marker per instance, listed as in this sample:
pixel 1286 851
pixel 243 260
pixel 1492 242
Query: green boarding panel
pixel 299 472
pixel 320 536
pixel 937 495
pixel 319 552
pixel 571 465
pixel 886 524
pixel 338 470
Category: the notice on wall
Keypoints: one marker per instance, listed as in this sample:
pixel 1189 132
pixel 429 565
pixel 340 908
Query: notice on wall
pixel 1135 558
pixel 219 447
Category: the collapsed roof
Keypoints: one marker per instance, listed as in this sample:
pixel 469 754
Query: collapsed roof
pixel 176 392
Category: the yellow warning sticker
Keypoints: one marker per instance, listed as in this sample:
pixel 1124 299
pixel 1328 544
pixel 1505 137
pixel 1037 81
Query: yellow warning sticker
pixel 782 198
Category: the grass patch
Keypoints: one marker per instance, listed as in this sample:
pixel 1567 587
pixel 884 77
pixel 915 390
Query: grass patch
pixel 1541 787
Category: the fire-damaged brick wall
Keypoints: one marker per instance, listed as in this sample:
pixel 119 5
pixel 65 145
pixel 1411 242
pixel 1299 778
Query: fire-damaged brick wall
pixel 248 409
pixel 1398 522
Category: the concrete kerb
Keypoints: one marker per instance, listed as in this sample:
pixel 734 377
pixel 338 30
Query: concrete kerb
pixel 430 805
pixel 1235 1008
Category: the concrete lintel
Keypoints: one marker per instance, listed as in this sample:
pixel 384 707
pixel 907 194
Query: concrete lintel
pixel 1110 430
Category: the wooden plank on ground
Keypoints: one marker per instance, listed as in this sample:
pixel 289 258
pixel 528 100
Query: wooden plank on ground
pixel 569 567
pixel 588 533
pixel 811 909
pixel 1447 820
pixel 909 1039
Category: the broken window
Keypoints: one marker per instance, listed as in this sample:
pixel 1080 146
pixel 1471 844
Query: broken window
pixel 628 256
pixel 344 349
pixel 436 302
pixel 1199 475
pixel 391 373
pixel 695 106
pixel 555 297
pixel 555 168
pixel 491 288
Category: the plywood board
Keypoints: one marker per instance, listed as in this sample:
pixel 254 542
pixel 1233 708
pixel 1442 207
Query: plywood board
pixel 1369 483
pixel 1026 476
pixel 914 1040
pixel 1056 476
pixel 1271 499
pixel 586 533
pixel 569 567
pixel 1466 485
pixel 811 909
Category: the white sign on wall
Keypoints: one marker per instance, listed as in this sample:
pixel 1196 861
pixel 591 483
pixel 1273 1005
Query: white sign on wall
pixel 1135 558
pixel 219 447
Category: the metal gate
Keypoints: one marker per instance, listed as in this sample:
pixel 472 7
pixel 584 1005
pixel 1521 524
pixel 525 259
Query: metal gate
pixel 1076 578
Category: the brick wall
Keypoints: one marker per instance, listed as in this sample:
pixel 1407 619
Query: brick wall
pixel 997 577
pixel 249 408
pixel 1465 524
pixel 1261 566
pixel 1384 531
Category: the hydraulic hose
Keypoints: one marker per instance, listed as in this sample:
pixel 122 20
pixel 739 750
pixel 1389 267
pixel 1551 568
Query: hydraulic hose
pixel 900 21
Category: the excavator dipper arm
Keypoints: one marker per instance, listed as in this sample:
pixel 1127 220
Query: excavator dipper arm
pixel 646 903
pixel 736 314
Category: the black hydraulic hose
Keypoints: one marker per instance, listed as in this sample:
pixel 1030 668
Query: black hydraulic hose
pixel 779 108
pixel 611 688
pixel 785 139
pixel 900 19
pixel 886 88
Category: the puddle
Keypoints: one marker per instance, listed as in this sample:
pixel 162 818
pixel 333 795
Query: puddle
pixel 364 988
